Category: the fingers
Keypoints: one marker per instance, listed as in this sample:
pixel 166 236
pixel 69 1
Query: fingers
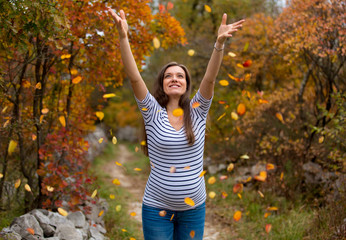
pixel 122 15
pixel 224 19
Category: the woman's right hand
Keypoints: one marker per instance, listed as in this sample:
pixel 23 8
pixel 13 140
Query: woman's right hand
pixel 120 22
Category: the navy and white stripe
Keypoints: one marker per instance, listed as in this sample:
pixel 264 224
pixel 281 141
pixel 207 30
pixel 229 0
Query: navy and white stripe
pixel 168 147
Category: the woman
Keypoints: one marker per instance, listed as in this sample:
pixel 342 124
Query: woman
pixel 174 199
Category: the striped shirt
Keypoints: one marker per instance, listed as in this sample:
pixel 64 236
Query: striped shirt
pixel 169 148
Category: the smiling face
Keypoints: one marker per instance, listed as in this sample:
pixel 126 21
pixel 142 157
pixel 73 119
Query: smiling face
pixel 174 81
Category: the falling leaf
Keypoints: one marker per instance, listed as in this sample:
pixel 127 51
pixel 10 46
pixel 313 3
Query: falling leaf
pixel 260 193
pixel 282 176
pixel 170 6
pixel 270 166
pixel 6 123
pixel 143 143
pixel 76 80
pixel 219 118
pixel 241 109
pixel 114 140
pixel 100 115
pixel 272 209
pixel 262 101
pixel 267 214
pixel 244 156
pixel 156 42
pixel 247 76
pixel 33 137
pixel 38 85
pixel 44 110
pixel 212 194
pixel 172 169
pixel 62 121
pixel 224 195
pixel 74 71
pixel 187 168
pixel 268 228
pixel 321 139
pixel 222 102
pixel 246 46
pixel 191 52
pixel 17 183
pixel 202 173
pixel 231 54
pixel 124 230
pixel 64 56
pixel 247 63
pixel 247 180
pixel 280 117
pixel 207 8
pixel 26 84
pixel 94 193
pixel 62 212
pixel 223 83
pixel 144 109
pixel 132 238
pixel 212 180
pixel 172 217
pixel 230 167
pixel 239 130
pixel 31 231
pixel 192 234
pixel 118 163
pixel 100 140
pixel 237 216
pixel 41 118
pixel 189 201
pixel 262 177
pixel 196 105
pixel 27 187
pixel 234 116
pixel 132 214
pixel 101 213
pixel 238 188
pixel 116 181
pixel 239 196
pixel 111 196
pixel 223 177
pixel 1 175
pixel 108 95
pixel 137 149
pixel 118 208
pixel 235 78
pixel 178 112
pixel 137 169
pixel 50 189
pixel 240 65
pixel 11 147
pixel 162 213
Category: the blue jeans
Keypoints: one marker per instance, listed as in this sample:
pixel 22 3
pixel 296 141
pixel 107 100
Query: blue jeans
pixel 156 227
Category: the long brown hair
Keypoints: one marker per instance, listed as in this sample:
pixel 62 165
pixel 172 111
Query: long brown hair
pixel 184 101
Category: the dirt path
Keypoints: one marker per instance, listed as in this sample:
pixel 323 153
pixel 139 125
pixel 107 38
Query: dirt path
pixel 136 186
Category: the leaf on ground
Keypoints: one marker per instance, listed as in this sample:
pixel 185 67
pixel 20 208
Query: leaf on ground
pixel 237 216
pixel 62 212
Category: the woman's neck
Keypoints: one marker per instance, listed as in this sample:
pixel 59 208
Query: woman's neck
pixel 172 104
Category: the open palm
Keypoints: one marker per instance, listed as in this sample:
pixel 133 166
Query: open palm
pixel 226 30
pixel 120 22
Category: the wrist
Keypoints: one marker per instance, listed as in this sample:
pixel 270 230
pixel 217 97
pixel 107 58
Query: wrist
pixel 219 46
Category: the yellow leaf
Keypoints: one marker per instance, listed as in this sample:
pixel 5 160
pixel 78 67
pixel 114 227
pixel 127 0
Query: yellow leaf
pixel 247 180
pixel 38 85
pixel 74 71
pixel 101 213
pixel 50 189
pixel 239 130
pixel 239 195
pixel 239 65
pixel 17 183
pixel 26 84
pixel 224 114
pixel 231 54
pixel 4 110
pixel 191 52
pixel 230 167
pixel 109 95
pixel 280 117
pixel 244 156
pixel 234 116
pixel 1 175
pixel 172 217
pixel 144 109
pixel 247 76
pixel 187 167
pixel 41 118
pixel 65 56
pixel 6 123
pixel 241 109
pixel 137 169
pixel 44 110
pixel 137 149
pixel 62 212
pixel 212 195
pixel 202 173
pixel 100 115
pixel 118 163
pixel 116 181
pixel 118 208
pixel 272 209
pixel 156 42
pixel 260 193
pixel 267 214
pixel 94 193
pixel 76 80
pixel 207 8
pixel 196 105
pixel 111 196
pixel 133 214
pixel 178 112
pixel 162 213
pixel 282 176
pixel 321 139
pixel 11 147
pixel 212 180
pixel 132 238
pixel 189 201
pixel 192 234
pixel 62 121
pixel 124 230
pixel 172 169
pixel 262 177
pixel 33 137
pixel 27 187
pixel 114 140
pixel 100 140
pixel 237 216
pixel 223 83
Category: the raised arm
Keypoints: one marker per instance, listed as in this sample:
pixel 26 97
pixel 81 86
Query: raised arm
pixel 225 31
pixel 138 85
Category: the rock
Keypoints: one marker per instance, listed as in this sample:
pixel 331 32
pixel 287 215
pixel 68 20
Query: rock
pixel 48 230
pixel 256 169
pixel 67 231
pixel 52 238
pixel 56 219
pixel 94 233
pixel 10 236
pixel 22 223
pixel 222 167
pixel 77 218
pixel 127 133
pixel 242 171
pixel 212 169
pixel 101 229
pixel 312 173
pixel 313 168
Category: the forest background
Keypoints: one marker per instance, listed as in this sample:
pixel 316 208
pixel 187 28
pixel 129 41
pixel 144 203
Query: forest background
pixel 279 97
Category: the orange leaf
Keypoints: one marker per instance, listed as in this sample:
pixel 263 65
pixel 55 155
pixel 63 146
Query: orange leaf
pixel 268 228
pixel 202 173
pixel 238 188
pixel 133 214
pixel 196 105
pixel 44 110
pixel 262 177
pixel 178 112
pixel 118 163
pixel 137 169
pixel 241 109
pixel 272 209
pixel 101 213
pixel 267 214
pixel 172 217
pixel 27 187
pixel 237 216
pixel 169 6
pixel 38 85
pixel 76 80
pixel 224 195
pixel 192 234
pixel 172 169
pixel 162 213
pixel 282 176
pixel 247 63
pixel 207 8
pixel 222 102
pixel 280 117
pixel 17 184
pixel 31 231
pixel 270 166
pixel 189 201
pixel 187 167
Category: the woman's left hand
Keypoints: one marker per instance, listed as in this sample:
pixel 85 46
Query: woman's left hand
pixel 226 30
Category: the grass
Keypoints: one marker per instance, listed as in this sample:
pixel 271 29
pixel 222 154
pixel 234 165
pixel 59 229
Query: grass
pixel 119 224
